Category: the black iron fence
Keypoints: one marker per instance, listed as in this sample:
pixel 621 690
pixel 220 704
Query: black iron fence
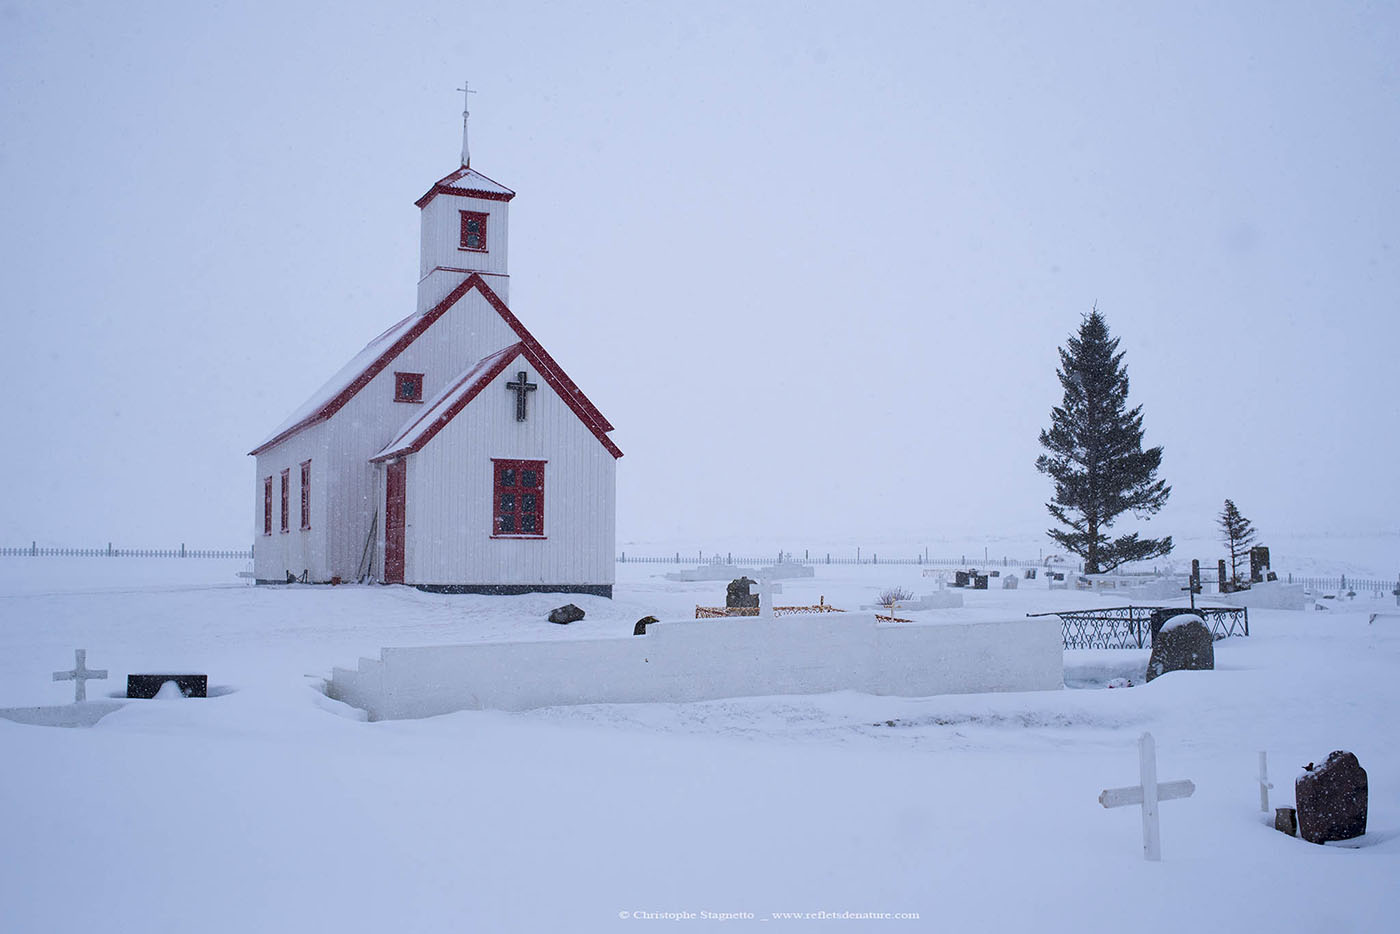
pixel 34 551
pixel 1130 627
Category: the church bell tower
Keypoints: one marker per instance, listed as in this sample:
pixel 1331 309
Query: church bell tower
pixel 464 227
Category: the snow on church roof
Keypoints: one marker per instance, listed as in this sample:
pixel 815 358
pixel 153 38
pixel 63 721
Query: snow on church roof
pixel 459 393
pixel 381 351
pixel 467 182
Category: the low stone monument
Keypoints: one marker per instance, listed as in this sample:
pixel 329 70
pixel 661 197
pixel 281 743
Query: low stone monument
pixel 738 594
pixel 563 615
pixel 148 686
pixel 641 628
pixel 1180 642
pixel 1332 799
pixel 1009 582
pixel 979 582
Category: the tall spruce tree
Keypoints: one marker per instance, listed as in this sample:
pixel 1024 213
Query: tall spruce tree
pixel 1094 454
pixel 1237 533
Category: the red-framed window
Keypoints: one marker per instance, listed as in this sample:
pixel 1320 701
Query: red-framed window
pixel 306 494
pixel 286 482
pixel 267 506
pixel 408 387
pixel 519 498
pixel 473 231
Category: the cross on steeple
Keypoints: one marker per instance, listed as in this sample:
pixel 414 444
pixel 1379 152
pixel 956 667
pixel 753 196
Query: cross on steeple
pixel 520 388
pixel 466 112
pixel 80 675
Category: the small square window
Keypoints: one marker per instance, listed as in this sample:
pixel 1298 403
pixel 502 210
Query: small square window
pixel 473 231
pixel 408 387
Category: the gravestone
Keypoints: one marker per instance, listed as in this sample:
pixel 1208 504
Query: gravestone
pixel 563 615
pixel 1009 582
pixel 1223 583
pixel 994 573
pixel 147 686
pixel 641 628
pixel 979 582
pixel 1332 799
pixel 1258 563
pixel 961 579
pixel 1030 574
pixel 1180 642
pixel 739 595
pixel 1286 821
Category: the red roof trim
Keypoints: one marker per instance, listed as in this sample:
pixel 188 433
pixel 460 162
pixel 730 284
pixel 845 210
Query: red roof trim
pixel 444 186
pixel 484 379
pixel 546 364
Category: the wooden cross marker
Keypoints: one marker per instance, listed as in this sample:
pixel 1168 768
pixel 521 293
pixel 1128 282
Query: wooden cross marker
pixel 80 676
pixel 1264 783
pixel 1148 794
pixel 520 388
pixel 764 589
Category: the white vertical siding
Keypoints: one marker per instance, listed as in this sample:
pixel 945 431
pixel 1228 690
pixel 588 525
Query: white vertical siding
pixel 463 335
pixel 441 235
pixel 450 485
pixel 297 549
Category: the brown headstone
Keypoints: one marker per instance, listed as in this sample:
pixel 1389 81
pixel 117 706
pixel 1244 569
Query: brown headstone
pixel 1332 799
pixel 1180 642
pixel 738 593
pixel 1286 821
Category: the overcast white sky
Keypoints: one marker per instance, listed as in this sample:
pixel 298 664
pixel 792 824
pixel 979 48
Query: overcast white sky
pixel 813 260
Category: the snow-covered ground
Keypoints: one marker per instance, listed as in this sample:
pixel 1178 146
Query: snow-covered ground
pixel 270 808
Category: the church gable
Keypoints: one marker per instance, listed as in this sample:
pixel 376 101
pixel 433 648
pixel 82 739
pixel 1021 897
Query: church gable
pixel 479 321
pixel 481 377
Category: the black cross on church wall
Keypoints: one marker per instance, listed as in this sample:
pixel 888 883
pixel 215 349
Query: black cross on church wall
pixel 520 388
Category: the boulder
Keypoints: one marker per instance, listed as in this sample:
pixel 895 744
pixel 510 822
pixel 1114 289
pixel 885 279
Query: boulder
pixel 1332 799
pixel 738 593
pixel 641 628
pixel 568 613
pixel 1180 642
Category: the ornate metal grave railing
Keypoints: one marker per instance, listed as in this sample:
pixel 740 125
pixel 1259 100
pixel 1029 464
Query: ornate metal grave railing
pixel 1130 627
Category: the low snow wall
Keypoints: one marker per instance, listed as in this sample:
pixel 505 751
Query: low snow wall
pixel 694 660
pixel 1271 595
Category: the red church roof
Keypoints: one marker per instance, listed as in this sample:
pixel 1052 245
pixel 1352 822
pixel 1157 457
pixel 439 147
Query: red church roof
pixel 380 352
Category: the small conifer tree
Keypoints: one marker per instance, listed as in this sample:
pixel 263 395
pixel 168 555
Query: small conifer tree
pixel 1093 452
pixel 1238 534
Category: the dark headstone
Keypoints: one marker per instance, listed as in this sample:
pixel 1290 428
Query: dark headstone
pixel 641 628
pixel 1332 799
pixel 1271 576
pixel 738 593
pixel 1221 581
pixel 1030 574
pixel 979 582
pixel 961 579
pixel 1058 576
pixel 994 573
pixel 145 686
pixel 1258 563
pixel 1286 821
pixel 1184 645
pixel 568 613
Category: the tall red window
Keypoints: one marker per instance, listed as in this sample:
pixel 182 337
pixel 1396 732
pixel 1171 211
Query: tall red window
pixel 408 387
pixel 267 506
pixel 519 498
pixel 286 482
pixel 473 231
pixel 306 494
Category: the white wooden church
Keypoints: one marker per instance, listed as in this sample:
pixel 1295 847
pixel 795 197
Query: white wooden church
pixel 452 453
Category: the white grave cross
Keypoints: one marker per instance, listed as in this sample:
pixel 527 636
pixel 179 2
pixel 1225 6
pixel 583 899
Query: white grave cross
pixel 764 588
pixel 1148 794
pixel 80 676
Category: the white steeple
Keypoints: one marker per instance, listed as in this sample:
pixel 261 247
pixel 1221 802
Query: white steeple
pixel 464 225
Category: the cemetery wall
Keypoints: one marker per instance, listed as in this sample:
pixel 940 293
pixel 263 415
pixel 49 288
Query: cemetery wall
pixel 695 660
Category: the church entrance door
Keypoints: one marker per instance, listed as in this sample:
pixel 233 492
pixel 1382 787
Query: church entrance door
pixel 395 476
